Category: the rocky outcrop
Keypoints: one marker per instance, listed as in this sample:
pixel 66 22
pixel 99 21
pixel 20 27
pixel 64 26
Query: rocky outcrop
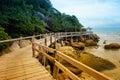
pixel 68 51
pixel 112 46
pixel 72 53
pixel 79 45
pixel 95 36
pixel 90 42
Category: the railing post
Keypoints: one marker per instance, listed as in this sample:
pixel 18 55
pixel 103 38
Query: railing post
pixel 66 36
pixel 33 45
pixel 50 38
pixel 71 35
pixel 20 42
pixel 45 41
pixel 56 69
pixel 55 37
pixel 59 37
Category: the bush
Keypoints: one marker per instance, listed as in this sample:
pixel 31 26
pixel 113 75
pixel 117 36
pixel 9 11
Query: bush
pixel 3 36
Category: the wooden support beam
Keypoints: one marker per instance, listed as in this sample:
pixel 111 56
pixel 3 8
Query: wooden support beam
pixel 45 41
pixel 33 45
pixel 50 39
pixel 56 69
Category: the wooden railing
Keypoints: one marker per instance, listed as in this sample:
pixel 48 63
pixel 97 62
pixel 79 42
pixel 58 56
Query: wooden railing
pixel 61 34
pixel 42 50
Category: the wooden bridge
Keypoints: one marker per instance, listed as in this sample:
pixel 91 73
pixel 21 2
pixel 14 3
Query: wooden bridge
pixel 22 64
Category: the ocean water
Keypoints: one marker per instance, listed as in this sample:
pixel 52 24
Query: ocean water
pixel 111 35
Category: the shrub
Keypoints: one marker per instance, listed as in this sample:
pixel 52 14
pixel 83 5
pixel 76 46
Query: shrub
pixel 3 36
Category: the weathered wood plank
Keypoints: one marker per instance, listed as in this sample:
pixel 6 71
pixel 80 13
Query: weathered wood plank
pixel 20 65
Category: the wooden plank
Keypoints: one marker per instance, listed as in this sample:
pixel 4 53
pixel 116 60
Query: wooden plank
pixel 20 65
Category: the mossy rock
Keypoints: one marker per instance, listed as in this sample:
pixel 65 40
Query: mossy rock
pixel 90 42
pixel 79 45
pixel 112 46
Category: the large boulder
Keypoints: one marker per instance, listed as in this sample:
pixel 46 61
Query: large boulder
pixel 79 45
pixel 112 46
pixel 90 42
pixel 96 36
pixel 68 50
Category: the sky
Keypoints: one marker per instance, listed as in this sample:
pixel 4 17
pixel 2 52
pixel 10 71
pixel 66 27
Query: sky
pixel 93 13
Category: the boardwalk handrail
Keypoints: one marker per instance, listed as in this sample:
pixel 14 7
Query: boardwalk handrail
pixel 97 75
pixel 63 34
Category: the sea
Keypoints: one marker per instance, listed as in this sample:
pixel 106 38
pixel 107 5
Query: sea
pixel 110 35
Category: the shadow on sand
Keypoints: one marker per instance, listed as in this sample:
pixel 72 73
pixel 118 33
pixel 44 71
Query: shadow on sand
pixel 94 62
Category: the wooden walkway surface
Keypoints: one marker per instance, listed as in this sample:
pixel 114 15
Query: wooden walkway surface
pixel 20 65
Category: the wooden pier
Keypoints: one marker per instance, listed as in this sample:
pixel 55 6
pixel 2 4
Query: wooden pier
pixel 22 64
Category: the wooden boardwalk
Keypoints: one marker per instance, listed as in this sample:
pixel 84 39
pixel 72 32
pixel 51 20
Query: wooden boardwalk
pixel 20 65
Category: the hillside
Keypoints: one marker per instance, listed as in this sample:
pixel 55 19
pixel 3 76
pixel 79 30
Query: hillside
pixel 31 17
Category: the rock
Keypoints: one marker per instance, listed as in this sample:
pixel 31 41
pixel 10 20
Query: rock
pixel 13 47
pixel 107 47
pixel 67 43
pixel 24 43
pixel 81 39
pixel 96 36
pixel 68 51
pixel 112 46
pixel 95 62
pixel 90 42
pixel 74 70
pixel 85 76
pixel 79 45
pixel 63 76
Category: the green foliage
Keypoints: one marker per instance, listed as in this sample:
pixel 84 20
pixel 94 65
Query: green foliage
pixel 63 22
pixel 45 4
pixel 19 21
pixel 3 36
pixel 19 18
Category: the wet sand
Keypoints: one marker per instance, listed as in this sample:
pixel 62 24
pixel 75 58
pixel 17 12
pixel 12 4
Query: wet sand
pixel 111 55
